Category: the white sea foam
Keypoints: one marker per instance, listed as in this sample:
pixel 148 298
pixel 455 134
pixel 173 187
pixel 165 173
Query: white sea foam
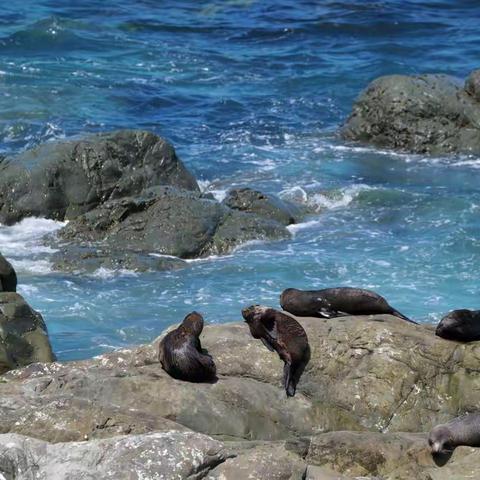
pixel 324 200
pixel 207 187
pixel 21 244
pixel 107 274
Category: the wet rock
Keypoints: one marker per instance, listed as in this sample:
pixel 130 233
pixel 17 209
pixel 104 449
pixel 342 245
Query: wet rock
pixel 8 277
pixel 165 221
pixel 63 180
pixel 423 114
pixel 263 205
pixel 88 260
pixel 23 334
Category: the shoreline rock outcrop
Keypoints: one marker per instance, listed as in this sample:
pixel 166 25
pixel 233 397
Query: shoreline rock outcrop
pixel 374 384
pixel 131 203
pixel 431 113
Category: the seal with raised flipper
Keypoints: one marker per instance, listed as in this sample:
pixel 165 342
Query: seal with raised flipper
pixel 281 333
pixel 460 325
pixel 181 355
pixel 336 302
pixel 445 438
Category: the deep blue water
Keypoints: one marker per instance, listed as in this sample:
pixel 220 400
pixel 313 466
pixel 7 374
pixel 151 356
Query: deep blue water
pixel 250 93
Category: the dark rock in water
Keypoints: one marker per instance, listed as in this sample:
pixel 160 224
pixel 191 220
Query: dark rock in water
pixel 23 334
pixel 88 259
pixel 472 85
pixel 263 205
pixel 8 277
pixel 428 113
pixel 168 221
pixel 63 180
pixel 237 228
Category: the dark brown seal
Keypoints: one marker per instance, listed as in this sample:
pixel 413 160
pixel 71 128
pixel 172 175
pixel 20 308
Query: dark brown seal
pixel 8 277
pixel 445 438
pixel 460 325
pixel 181 355
pixel 336 302
pixel 283 334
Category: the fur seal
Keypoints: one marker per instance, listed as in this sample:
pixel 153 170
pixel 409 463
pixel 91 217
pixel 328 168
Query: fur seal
pixel 336 302
pixel 181 355
pixel 460 325
pixel 444 438
pixel 281 333
pixel 8 277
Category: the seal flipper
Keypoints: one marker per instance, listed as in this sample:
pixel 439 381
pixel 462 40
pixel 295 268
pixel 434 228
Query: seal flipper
pixel 267 344
pixel 396 313
pixel 328 313
pixel 288 380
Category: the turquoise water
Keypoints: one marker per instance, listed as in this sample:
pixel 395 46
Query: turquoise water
pixel 250 93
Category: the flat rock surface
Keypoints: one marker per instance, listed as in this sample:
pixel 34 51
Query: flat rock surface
pixel 372 383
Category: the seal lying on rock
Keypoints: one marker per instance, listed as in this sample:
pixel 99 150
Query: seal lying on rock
pixel 283 334
pixel 180 352
pixel 336 302
pixel 444 438
pixel 460 325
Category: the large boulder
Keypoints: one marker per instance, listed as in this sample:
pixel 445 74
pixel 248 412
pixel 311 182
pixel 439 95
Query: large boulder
pixel 8 277
pixel 23 334
pixel 166 221
pixel 63 180
pixel 427 113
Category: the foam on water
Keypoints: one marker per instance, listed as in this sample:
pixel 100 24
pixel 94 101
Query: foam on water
pixel 22 244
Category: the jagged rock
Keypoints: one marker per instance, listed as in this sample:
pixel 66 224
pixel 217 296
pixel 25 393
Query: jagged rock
pixel 165 455
pixel 8 277
pixel 65 179
pixel 23 334
pixel 263 205
pixel 167 221
pixel 427 113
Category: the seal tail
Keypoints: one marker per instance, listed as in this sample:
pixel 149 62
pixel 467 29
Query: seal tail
pixel 396 313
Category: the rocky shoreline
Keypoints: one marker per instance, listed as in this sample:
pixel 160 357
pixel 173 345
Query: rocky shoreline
pixel 373 386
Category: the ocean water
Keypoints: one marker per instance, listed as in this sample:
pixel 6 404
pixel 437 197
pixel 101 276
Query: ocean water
pixel 251 93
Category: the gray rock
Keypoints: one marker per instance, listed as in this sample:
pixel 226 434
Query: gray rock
pixel 161 455
pixel 78 259
pixel 269 461
pixel 166 221
pixel 472 85
pixel 8 277
pixel 263 205
pixel 371 383
pixel 23 334
pixel 428 113
pixel 63 180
